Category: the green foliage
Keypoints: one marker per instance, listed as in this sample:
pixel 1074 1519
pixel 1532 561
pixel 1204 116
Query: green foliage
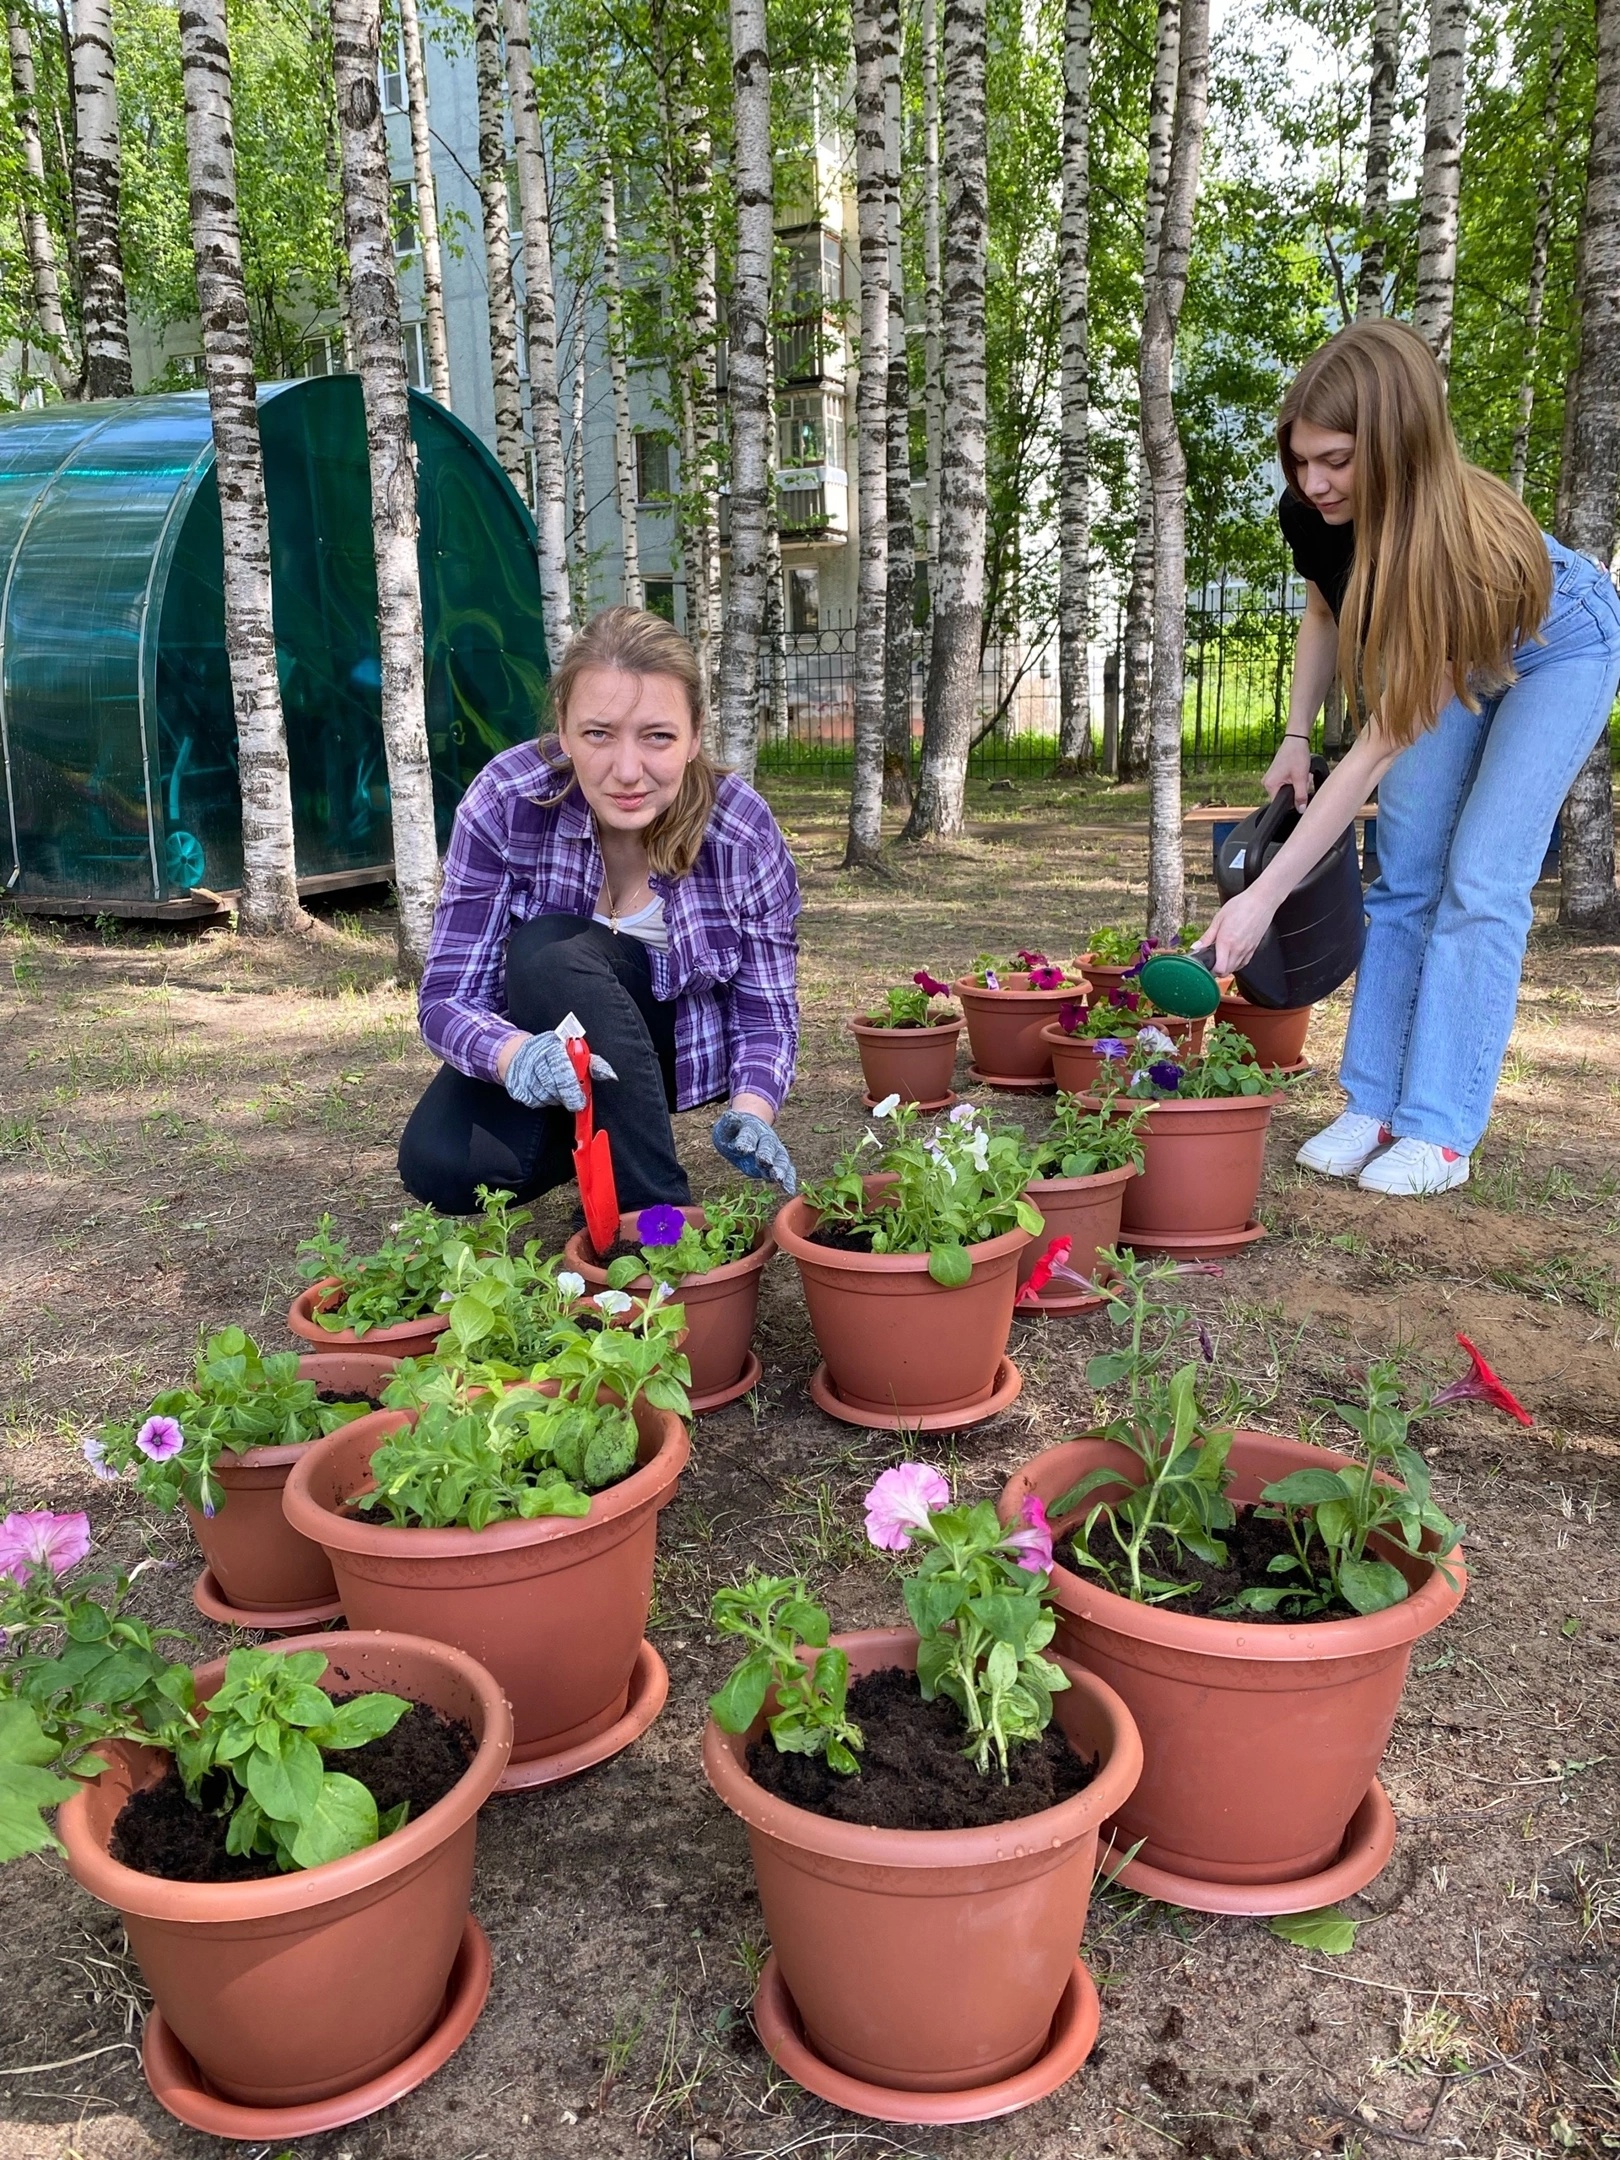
pixel 908 1005
pixel 410 1272
pixel 733 1222
pixel 28 1783
pixel 239 1399
pixel 776 1617
pixel 986 964
pixel 1227 1067
pixel 960 1186
pixel 267 1727
pixel 507 1310
pixel 1112 946
pixel 1081 1142
pixel 1326 1929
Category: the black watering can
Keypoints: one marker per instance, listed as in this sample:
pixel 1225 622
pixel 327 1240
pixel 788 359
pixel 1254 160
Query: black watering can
pixel 1316 936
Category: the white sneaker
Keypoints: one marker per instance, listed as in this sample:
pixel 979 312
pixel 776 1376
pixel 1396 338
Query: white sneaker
pixel 1415 1166
pixel 1344 1148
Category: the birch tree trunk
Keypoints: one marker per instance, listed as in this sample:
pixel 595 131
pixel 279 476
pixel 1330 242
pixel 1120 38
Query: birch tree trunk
pixel 958 588
pixel 874 179
pixel 104 304
pixel 1139 597
pixel 374 300
pixel 492 196
pixel 1074 443
pixel 320 30
pixel 902 537
pixel 624 441
pixel 1540 248
pixel 775 596
pixel 1589 904
pixel 581 516
pixel 933 289
pixel 1439 189
pixel 427 203
pixel 269 880
pixel 38 245
pixel 1167 899
pixel 750 383
pixel 1381 87
pixel 540 308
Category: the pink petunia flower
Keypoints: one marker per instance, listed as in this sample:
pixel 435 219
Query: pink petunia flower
pixel 1031 1543
pixel 1071 1016
pixel 160 1437
pixel 901 1502
pixel 42 1540
pixel 1046 977
pixel 1029 960
pixel 1482 1385
pixel 925 981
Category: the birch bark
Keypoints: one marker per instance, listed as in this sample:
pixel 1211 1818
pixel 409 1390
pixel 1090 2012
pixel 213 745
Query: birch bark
pixel 1535 299
pixel 427 203
pixel 38 245
pixel 958 586
pixel 104 303
pixel 540 315
pixel 775 597
pixel 933 289
pixel 1381 86
pixel 874 178
pixel 1441 182
pixel 1589 904
pixel 902 536
pixel 580 507
pixel 624 441
pixel 497 222
pixel 750 383
pixel 269 879
pixel 1074 444
pixel 1167 461
pixel 374 303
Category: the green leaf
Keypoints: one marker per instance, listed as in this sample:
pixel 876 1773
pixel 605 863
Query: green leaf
pixel 286 1785
pixel 1107 1367
pixel 1326 1929
pixel 1305 1488
pixel 1371 1585
pixel 359 1719
pixel 342 1820
pixel 742 1697
pixel 807 1623
pixel 27 1787
pixel 950 1266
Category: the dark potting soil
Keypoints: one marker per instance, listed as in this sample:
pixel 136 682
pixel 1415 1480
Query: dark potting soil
pixel 348 1395
pixel 913 1774
pixel 842 1237
pixel 159 1832
pixel 1251 1544
pixel 621 1249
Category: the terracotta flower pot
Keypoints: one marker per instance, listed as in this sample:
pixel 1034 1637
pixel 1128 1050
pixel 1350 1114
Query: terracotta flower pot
pixel 1075 1063
pixel 930 1960
pixel 914 1063
pixel 256 1557
pixel 556 1608
pixel 407 1338
pixel 302 1986
pixel 1259 1741
pixel 1278 1035
pixel 721 1310
pixel 1085 1210
pixel 1101 977
pixel 1004 1026
pixel 898 1345
pixel 1201 1171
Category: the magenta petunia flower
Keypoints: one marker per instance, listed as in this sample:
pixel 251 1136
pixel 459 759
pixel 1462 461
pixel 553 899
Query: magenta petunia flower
pixel 42 1540
pixel 1071 1016
pixel 1028 960
pixel 925 981
pixel 901 1502
pixel 1046 977
pixel 160 1437
pixel 1031 1543
pixel 661 1225
pixel 1125 1000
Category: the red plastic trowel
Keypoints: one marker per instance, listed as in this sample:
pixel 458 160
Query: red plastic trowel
pixel 593 1159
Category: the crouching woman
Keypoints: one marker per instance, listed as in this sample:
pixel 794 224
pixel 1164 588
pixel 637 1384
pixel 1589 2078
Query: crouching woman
pixel 612 873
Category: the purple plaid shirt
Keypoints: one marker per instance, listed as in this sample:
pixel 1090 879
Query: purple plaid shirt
pixel 732 963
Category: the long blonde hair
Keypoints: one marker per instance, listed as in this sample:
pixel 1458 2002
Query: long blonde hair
pixel 1450 569
pixel 640 643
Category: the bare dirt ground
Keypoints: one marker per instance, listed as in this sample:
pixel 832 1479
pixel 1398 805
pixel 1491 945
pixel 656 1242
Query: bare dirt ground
pixel 175 1112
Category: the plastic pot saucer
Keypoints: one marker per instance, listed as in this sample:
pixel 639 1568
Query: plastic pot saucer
pixel 214 1605
pixel 1194 1244
pixel 1014 1083
pixel 649 1691
pixel 1072 2036
pixel 178 2085
pixel 1008 1384
pixel 717 1398
pixel 1369 1839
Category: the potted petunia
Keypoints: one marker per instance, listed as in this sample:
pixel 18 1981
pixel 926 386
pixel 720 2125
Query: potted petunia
pixel 517 1519
pixel 922 1807
pixel 1255 1599
pixel 222 1447
pixel 1114 957
pixel 910 1268
pixel 391 1300
pixel 1118 1017
pixel 715 1257
pixel 1084 1162
pixel 908 1045
pixel 1007 1003
pixel 286 1833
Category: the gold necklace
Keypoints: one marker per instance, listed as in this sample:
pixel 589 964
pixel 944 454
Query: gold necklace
pixel 614 908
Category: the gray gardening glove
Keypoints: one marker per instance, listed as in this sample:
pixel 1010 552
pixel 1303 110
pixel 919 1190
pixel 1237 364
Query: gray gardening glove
pixel 749 1145
pixel 540 1076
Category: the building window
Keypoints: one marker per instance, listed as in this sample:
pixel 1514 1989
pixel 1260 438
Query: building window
pixel 652 467
pixel 190 367
pixel 804 597
pixel 659 596
pixel 406 240
pixel 413 341
pixel 810 431
pixel 321 354
pixel 395 95
pixel 815 273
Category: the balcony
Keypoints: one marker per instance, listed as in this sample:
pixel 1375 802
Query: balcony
pixel 812 509
pixel 812 351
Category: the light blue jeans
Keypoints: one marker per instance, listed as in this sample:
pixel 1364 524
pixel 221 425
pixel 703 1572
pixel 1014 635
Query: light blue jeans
pixel 1464 817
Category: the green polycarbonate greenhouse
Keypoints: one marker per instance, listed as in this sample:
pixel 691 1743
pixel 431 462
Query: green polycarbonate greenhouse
pixel 117 747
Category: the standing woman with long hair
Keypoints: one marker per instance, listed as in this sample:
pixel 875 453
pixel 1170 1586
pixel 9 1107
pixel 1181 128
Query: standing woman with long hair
pixel 609 874
pixel 1483 658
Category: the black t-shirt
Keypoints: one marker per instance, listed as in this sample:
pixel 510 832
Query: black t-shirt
pixel 1322 552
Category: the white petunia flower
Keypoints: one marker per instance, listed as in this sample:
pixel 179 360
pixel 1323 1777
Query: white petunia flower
pixel 964 1113
pixel 570 1285
pixel 613 1302
pixel 1152 1038
pixel 888 1106
pixel 980 1151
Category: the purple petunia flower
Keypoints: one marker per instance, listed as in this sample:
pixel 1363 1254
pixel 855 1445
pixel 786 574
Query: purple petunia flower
pixel 1125 1000
pixel 95 1454
pixel 925 981
pixel 159 1438
pixel 661 1225
pixel 1206 1343
pixel 1071 1016
pixel 1110 1046
pixel 1165 1075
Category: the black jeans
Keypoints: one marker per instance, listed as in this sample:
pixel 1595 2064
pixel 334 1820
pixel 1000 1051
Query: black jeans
pixel 466 1133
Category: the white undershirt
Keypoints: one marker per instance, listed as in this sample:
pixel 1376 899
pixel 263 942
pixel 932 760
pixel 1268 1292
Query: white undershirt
pixel 646 923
